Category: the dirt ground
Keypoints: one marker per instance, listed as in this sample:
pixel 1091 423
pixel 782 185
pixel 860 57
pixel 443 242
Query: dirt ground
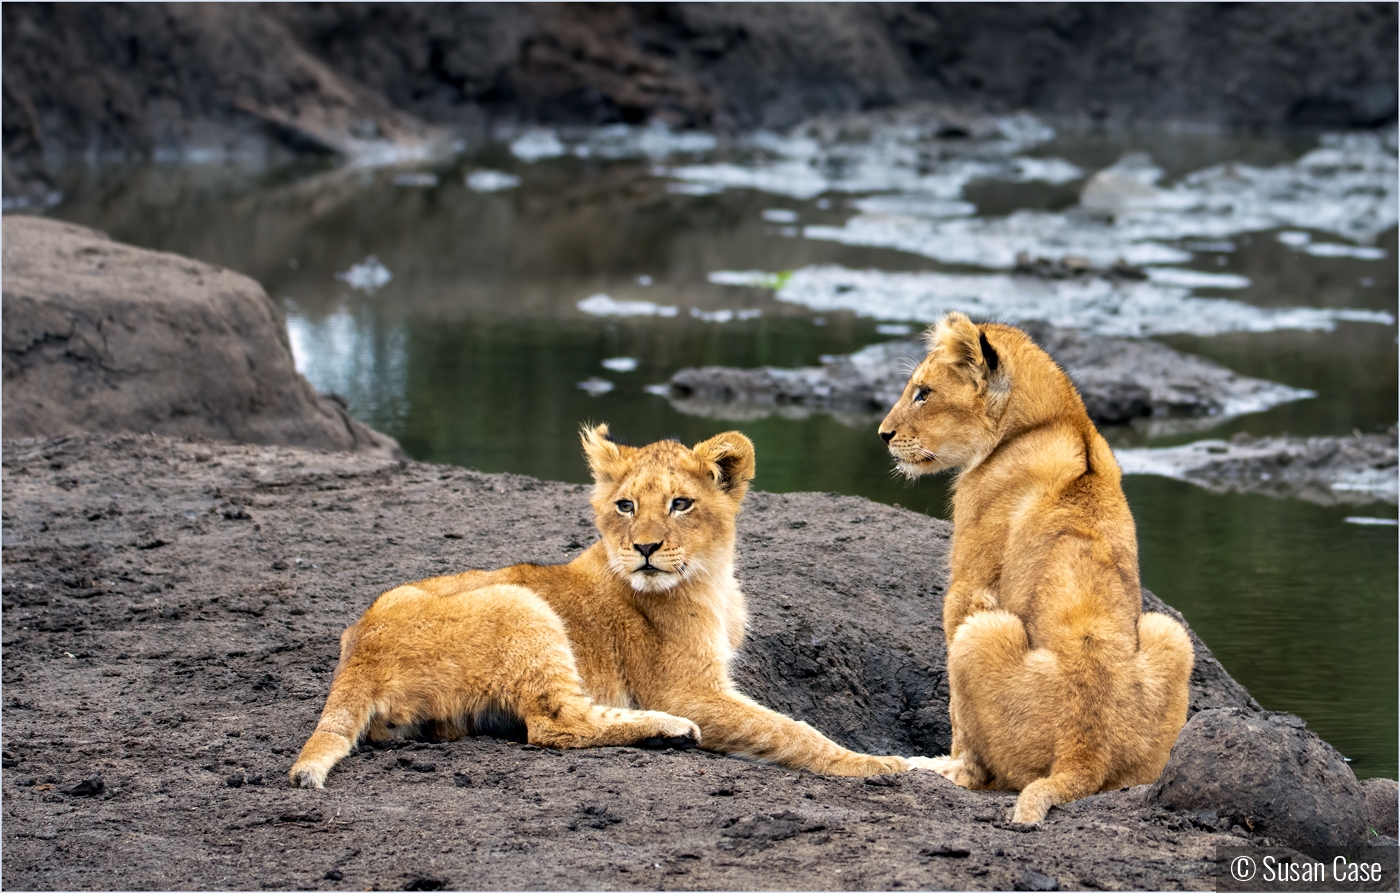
pixel 170 624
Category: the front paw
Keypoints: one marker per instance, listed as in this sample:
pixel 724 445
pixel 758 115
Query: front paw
pixel 955 770
pixel 672 731
pixel 304 775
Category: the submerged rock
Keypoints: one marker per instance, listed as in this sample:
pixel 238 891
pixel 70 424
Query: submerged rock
pixel 105 337
pixel 1325 470
pixel 1266 773
pixel 1120 380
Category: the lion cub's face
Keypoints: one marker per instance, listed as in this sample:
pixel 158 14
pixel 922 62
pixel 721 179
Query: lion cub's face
pixel 666 511
pixel 944 418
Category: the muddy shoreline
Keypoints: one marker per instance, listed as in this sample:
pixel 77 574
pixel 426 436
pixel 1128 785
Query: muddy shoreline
pixel 171 613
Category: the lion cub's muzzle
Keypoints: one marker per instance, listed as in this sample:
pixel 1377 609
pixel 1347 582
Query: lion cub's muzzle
pixel 653 568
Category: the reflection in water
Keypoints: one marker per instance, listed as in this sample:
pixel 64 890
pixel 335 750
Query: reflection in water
pixel 351 355
pixel 473 351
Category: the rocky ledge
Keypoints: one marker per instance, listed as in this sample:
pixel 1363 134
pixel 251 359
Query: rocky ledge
pixel 1120 380
pixel 1326 470
pixel 101 336
pixel 171 616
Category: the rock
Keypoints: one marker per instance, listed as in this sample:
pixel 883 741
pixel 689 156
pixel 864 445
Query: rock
pixel 104 337
pixel 1326 470
pixel 1120 380
pixel 1031 879
pixel 1266 773
pixel 1382 806
pixel 845 600
pixel 88 787
pixel 134 79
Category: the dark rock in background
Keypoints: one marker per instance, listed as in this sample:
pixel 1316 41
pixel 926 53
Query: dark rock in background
pixel 135 80
pixel 103 337
pixel 1266 773
pixel 1120 379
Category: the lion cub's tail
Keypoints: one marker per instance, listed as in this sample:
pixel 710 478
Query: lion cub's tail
pixel 343 720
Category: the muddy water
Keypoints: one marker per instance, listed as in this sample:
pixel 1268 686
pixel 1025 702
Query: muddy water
pixel 473 349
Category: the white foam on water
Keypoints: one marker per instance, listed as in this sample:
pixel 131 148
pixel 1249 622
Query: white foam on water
pixel 696 189
pixel 1346 188
pixel 537 145
pixel 724 315
pixel 914 206
pixel 994 242
pixel 604 305
pixel 1386 522
pixel 486 180
pixel 1195 278
pixel 1131 309
pixel 779 215
pixel 1336 249
pixel 621 364
pixel 368 276
pixel 899 155
pixel 893 329
pixel 595 386
pixel 654 141
pixel 1304 242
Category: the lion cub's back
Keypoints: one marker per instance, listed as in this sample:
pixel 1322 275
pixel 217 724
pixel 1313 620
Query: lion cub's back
pixel 450 622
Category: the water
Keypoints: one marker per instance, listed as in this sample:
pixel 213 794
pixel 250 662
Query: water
pixel 454 325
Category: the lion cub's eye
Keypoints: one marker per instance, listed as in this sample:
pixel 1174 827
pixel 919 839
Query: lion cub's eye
pixel 625 506
pixel 922 394
pixel 681 504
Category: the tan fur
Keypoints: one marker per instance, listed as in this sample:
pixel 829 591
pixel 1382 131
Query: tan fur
pixel 1060 685
pixel 611 648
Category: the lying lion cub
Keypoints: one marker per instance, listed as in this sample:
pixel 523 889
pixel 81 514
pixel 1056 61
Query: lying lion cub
pixel 1060 686
pixel 629 643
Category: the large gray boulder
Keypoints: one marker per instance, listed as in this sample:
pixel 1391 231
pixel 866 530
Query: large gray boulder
pixel 104 337
pixel 1266 773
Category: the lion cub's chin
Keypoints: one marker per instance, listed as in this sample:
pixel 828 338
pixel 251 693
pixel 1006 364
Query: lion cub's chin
pixel 917 468
pixel 653 582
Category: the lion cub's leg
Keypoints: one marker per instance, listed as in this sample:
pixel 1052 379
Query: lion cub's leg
pixel 1012 705
pixel 417 657
pixel 1163 670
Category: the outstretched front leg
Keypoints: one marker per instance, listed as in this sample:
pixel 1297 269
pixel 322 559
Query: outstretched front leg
pixel 732 723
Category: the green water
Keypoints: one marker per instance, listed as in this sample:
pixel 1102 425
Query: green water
pixel 471 354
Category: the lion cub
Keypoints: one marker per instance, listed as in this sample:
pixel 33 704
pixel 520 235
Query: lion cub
pixel 1060 686
pixel 629 643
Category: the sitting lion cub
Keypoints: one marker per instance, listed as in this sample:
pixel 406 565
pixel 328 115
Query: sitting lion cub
pixel 629 643
pixel 1060 686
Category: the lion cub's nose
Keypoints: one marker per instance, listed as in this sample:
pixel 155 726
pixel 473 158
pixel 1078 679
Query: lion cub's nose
pixel 887 436
pixel 646 548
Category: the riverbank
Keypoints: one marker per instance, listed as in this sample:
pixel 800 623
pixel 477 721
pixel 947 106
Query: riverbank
pixel 171 617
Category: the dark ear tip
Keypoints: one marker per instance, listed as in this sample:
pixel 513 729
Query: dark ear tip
pixel 988 353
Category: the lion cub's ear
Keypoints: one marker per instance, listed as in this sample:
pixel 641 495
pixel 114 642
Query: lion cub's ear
pixel 961 344
pixel 606 458
pixel 729 457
